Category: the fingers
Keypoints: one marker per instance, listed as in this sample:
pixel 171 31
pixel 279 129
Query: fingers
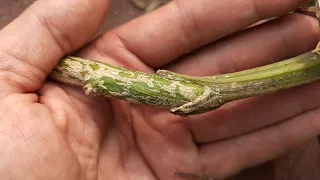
pixel 32 45
pixel 225 158
pixel 183 26
pixel 261 45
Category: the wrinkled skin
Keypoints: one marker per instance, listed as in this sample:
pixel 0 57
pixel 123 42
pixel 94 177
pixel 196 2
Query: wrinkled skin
pixel 53 131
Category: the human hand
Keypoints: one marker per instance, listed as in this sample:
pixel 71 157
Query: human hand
pixel 53 131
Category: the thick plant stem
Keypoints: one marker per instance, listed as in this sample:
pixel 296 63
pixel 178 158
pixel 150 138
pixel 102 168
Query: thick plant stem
pixel 100 79
pixel 186 95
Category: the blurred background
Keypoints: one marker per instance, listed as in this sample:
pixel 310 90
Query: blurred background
pixel 121 11
pixel 302 163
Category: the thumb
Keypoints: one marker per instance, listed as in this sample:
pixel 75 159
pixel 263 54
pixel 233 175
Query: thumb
pixel 32 45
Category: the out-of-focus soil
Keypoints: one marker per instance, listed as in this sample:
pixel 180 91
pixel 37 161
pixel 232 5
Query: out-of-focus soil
pixel 302 163
pixel 121 11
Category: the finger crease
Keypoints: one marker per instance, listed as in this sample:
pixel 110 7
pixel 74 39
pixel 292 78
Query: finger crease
pixel 31 69
pixel 188 24
pixel 62 40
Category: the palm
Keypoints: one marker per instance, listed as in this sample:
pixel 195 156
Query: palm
pixel 115 139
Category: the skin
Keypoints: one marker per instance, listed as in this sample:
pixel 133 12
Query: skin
pixel 54 131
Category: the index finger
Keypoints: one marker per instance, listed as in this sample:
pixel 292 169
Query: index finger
pixel 182 26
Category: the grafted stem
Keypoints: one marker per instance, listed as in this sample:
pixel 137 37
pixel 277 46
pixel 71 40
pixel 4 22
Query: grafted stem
pixel 186 95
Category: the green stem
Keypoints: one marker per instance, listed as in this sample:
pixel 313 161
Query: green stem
pixel 186 95
pixel 100 79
